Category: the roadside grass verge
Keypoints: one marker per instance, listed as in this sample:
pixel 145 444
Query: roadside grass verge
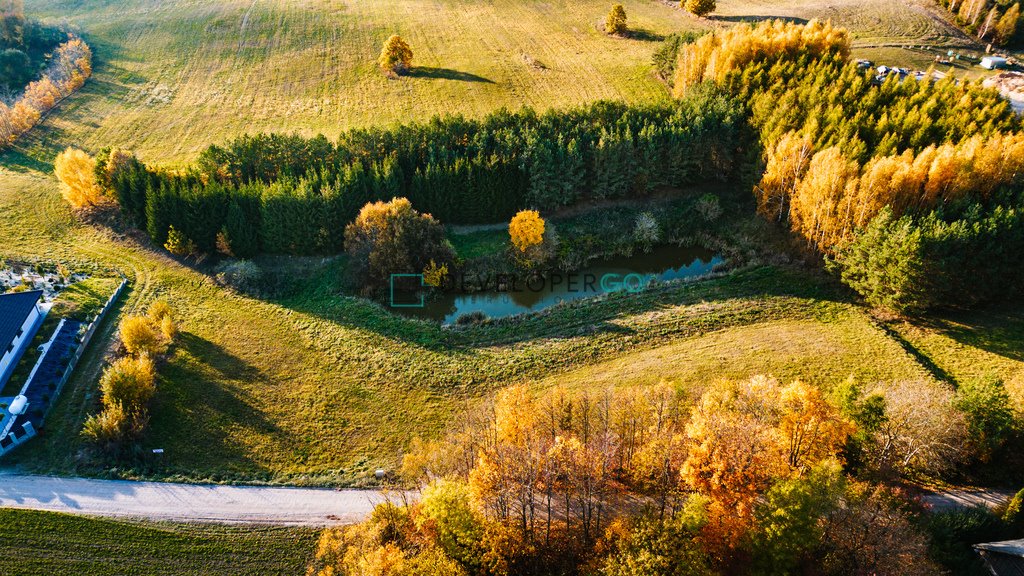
pixel 33 543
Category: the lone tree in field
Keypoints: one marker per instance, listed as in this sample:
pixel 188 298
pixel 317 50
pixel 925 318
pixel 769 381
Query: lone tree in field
pixel 396 57
pixel 699 7
pixel 616 21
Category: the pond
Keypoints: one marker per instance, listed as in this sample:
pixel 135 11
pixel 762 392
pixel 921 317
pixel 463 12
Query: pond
pixel 631 274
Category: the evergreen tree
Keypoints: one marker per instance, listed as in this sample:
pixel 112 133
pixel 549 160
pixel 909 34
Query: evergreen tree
pixel 242 233
pixel 1006 27
pixel 615 23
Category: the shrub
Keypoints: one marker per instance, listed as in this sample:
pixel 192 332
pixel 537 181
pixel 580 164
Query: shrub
pixel 471 318
pixel 158 310
pixel 76 171
pixel 447 507
pixel 954 531
pixel 178 244
pixel 392 238
pixel 129 383
pixel 140 336
pixel 162 317
pixel 241 275
pixel 669 548
pixel 108 428
pixel 15 68
pixel 168 328
pixel 615 23
pixel 1014 513
pixel 396 56
pixel 646 231
pixel 990 418
pixel 699 7
pixel 709 207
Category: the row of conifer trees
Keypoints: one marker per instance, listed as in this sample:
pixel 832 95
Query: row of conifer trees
pixel 288 194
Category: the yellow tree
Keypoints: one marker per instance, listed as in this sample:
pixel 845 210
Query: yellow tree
pixel 615 23
pixel 1006 28
pixel 6 126
pixel 822 208
pixel 396 56
pixel 811 430
pixel 699 7
pixel 178 244
pixel 526 230
pixel 787 165
pixel 76 171
pixel 510 460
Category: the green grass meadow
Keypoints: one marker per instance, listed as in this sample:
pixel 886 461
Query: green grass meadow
pixel 34 543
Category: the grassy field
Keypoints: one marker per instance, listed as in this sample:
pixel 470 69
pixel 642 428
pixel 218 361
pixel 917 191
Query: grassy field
pixel 986 344
pixel 319 388
pixel 33 543
pixel 175 75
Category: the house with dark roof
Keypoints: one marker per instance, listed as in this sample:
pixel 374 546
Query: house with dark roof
pixel 21 314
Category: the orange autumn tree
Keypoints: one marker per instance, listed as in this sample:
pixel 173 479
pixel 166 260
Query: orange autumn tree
pixel 811 430
pixel 744 437
pixel 395 56
pixel 70 66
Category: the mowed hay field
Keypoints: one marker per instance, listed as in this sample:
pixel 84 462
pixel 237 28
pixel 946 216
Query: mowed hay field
pixel 175 75
pixel 321 389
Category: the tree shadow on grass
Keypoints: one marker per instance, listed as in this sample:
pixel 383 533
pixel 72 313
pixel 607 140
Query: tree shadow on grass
pixel 998 329
pixel 644 35
pixel 757 19
pixel 432 73
pixel 199 409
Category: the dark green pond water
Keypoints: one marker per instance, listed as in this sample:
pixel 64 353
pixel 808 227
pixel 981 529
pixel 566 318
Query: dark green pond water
pixel 630 274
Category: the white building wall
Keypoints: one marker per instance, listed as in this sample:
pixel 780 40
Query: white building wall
pixel 10 357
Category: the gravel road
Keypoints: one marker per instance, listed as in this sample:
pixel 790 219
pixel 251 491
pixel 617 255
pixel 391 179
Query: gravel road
pixel 188 502
pixel 966 498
